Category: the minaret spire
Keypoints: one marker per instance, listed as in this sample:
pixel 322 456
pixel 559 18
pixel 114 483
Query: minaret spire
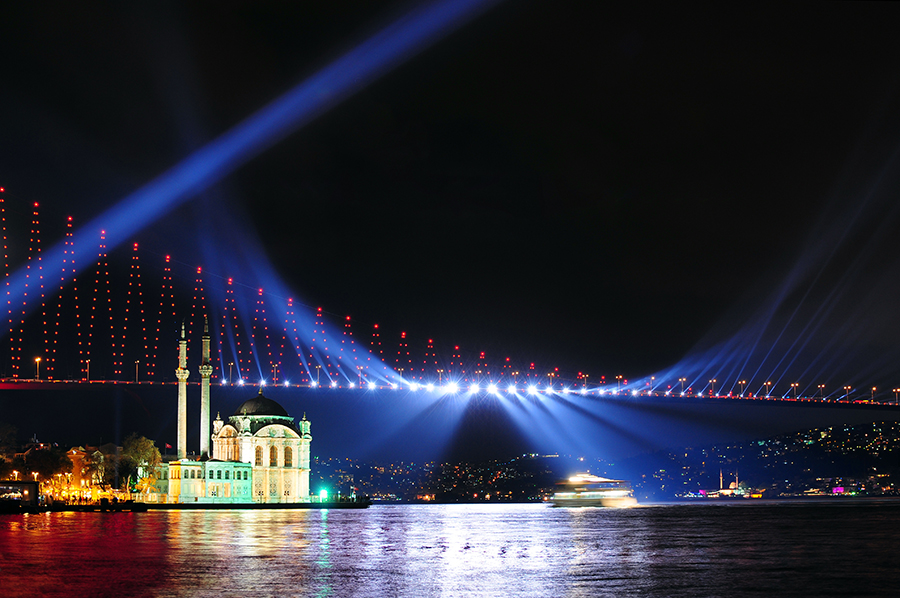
pixel 182 374
pixel 205 372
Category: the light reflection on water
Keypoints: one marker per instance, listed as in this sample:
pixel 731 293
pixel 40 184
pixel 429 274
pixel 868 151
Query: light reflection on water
pixel 458 550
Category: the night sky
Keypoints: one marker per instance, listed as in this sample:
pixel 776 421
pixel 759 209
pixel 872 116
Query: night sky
pixel 615 189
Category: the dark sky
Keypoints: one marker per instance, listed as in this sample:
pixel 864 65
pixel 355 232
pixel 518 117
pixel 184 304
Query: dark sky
pixel 581 184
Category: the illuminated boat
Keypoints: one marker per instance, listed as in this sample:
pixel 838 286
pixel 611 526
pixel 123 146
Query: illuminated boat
pixel 586 490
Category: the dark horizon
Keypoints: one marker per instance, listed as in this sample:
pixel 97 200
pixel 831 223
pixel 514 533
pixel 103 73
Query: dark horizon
pixel 392 425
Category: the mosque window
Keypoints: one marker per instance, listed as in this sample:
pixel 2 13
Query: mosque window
pixel 210 474
pixel 259 456
pixel 226 474
pixel 288 456
pixel 219 475
pixel 273 457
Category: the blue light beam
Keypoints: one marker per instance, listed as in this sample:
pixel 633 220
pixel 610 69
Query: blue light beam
pixel 361 66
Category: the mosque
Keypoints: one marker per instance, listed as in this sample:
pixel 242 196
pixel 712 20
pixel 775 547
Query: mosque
pixel 258 456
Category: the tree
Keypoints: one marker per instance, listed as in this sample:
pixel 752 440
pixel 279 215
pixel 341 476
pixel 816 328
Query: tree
pixel 8 446
pixel 45 462
pixel 138 462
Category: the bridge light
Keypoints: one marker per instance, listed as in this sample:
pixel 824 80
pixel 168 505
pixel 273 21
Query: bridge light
pixel 429 387
pixel 334 384
pixel 492 388
pixel 286 384
pixel 394 385
pixel 413 386
pixel 351 385
pixel 313 384
pixel 532 389
pixel 474 388
pixel 372 385
pixel 240 381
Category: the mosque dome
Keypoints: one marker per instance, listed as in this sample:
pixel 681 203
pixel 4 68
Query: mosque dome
pixel 260 405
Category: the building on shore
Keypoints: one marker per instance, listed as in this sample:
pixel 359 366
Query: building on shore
pixel 258 456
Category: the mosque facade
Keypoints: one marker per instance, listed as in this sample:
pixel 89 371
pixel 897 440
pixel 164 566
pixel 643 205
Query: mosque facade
pixel 259 455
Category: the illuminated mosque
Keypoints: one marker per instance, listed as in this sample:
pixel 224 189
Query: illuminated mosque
pixel 258 456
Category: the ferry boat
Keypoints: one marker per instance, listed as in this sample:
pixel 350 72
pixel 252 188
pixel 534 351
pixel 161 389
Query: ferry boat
pixel 586 490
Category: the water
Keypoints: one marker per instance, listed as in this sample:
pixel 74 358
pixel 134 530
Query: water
pixel 756 549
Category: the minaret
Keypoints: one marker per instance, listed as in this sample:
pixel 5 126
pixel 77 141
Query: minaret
pixel 205 372
pixel 182 374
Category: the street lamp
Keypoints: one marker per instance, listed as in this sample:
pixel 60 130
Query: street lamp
pixel 897 395
pixel 682 380
pixel 618 380
pixel 652 380
pixel 822 392
pixel 37 365
pixel 230 365
pixel 136 364
pixel 712 383
pixel 440 374
pixel 88 364
pixel 847 392
pixel 794 385
pixel 742 383
pixel 768 386
pixel 318 368
pixel 873 392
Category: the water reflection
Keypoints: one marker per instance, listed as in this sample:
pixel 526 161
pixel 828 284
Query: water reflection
pixel 455 550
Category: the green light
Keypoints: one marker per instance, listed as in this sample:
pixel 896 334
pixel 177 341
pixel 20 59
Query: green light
pixel 323 494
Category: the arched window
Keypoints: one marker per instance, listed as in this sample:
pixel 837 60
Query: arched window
pixel 219 474
pixel 273 457
pixel 210 474
pixel 226 474
pixel 259 456
pixel 288 456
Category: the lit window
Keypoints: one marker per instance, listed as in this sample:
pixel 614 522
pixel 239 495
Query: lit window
pixel 259 456
pixel 288 456
pixel 219 475
pixel 273 457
